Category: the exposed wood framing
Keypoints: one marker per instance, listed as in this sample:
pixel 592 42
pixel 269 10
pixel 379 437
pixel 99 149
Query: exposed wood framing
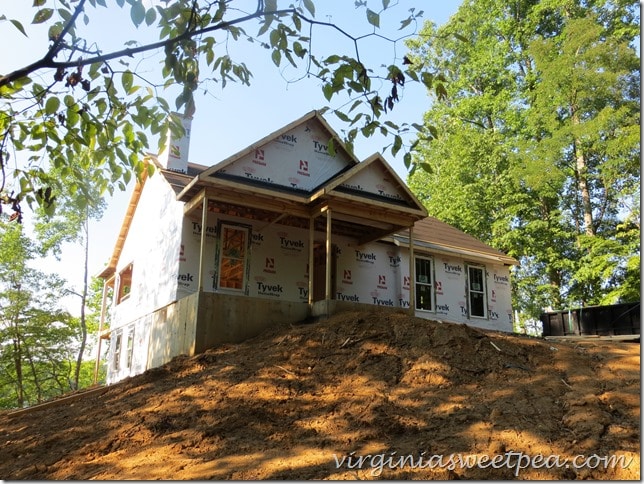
pixel 272 222
pixel 250 199
pixel 373 214
pixel 230 185
pixel 380 204
pixel 412 273
pixel 329 249
pixel 202 241
pixel 376 234
pixel 311 258
pixel 195 202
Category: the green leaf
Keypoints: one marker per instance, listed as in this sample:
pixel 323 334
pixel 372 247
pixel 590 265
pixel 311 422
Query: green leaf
pixel 127 79
pixel 331 146
pixel 274 37
pixel 137 12
pixel 397 145
pixel 373 18
pixel 268 20
pixel 342 116
pixel 150 16
pixel 299 50
pixel 461 37
pixel 405 23
pixel 42 15
pixel 38 3
pixel 407 160
pixel 327 90
pixel 52 105
pixel 19 26
pixel 427 79
pixel 310 6
pixel 277 57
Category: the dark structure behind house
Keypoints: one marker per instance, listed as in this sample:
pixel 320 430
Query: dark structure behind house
pixel 617 319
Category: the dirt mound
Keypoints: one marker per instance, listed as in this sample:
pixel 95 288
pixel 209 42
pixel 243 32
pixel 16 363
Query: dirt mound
pixel 361 395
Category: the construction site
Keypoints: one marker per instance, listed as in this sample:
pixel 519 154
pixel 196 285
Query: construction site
pixel 312 401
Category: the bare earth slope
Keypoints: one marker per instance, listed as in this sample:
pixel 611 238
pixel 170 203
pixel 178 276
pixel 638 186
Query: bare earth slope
pixel 295 401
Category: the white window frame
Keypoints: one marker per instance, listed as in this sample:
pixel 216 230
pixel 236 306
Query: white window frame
pixel 482 290
pixel 130 348
pixel 125 283
pixel 118 350
pixel 245 258
pixel 430 284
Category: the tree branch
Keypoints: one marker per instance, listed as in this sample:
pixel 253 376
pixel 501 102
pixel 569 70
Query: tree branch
pixel 53 50
pixel 47 62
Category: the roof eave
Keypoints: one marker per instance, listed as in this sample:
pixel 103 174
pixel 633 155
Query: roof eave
pixel 454 250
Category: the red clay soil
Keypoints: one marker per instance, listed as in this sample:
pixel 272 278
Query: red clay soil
pixel 359 396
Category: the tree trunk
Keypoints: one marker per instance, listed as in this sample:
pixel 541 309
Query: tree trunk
pixel 17 361
pixel 581 168
pixel 83 322
pixel 34 374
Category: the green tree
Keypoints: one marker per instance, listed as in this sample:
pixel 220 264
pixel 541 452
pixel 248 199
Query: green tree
pixel 535 148
pixel 79 97
pixel 78 203
pixel 36 334
pixel 586 107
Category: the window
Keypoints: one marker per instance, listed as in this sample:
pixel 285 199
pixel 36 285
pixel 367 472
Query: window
pixel 125 284
pixel 232 264
pixel 130 348
pixel 424 284
pixel 476 291
pixel 117 352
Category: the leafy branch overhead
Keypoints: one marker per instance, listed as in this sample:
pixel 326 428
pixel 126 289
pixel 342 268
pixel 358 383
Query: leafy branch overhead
pixel 78 97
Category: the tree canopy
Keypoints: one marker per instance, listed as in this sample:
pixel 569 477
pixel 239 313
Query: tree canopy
pixel 78 96
pixel 535 148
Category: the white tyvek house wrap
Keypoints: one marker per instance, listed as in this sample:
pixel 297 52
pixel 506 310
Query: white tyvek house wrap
pixel 175 155
pixel 378 181
pixel 152 244
pixel 297 159
pixel 366 274
pixel 279 263
pixel 499 296
pixel 188 256
pixel 375 274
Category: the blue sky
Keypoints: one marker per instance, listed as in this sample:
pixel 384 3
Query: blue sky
pixel 228 120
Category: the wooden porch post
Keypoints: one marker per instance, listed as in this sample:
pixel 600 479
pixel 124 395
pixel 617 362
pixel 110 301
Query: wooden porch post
pixel 329 248
pixel 412 277
pixel 202 242
pixel 311 259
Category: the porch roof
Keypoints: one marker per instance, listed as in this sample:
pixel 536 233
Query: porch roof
pixel 440 237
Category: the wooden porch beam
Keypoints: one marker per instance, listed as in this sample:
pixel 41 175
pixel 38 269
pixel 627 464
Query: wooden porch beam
pixel 195 202
pixel 249 200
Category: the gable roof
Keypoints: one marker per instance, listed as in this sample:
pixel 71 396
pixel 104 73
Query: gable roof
pixel 374 179
pixel 295 160
pixel 433 234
